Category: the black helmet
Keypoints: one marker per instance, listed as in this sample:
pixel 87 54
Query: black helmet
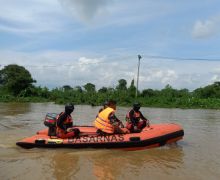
pixel 69 108
pixel 136 106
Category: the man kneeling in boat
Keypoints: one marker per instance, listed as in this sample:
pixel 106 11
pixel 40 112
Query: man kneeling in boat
pixel 135 119
pixel 65 123
pixel 107 123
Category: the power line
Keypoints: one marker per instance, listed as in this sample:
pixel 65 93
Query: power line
pixel 125 58
pixel 181 58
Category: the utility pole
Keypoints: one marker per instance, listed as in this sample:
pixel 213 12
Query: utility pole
pixel 139 58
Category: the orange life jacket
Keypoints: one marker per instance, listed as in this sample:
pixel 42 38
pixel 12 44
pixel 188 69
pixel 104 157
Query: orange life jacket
pixel 68 122
pixel 137 116
pixel 102 121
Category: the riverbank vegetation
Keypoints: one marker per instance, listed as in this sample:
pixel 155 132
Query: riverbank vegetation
pixel 17 85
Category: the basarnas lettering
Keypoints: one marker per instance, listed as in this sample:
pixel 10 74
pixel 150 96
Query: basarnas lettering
pixel 97 139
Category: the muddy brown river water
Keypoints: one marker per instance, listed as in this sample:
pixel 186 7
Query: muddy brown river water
pixel 196 157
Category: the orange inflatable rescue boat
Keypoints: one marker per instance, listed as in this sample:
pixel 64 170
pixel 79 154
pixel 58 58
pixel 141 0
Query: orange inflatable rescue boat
pixel 154 136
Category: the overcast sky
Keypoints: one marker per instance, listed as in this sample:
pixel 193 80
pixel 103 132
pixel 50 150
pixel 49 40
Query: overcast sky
pixel 72 42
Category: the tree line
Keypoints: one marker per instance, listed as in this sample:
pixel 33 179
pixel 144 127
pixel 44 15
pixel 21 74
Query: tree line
pixel 17 84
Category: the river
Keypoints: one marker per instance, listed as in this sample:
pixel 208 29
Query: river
pixel 196 157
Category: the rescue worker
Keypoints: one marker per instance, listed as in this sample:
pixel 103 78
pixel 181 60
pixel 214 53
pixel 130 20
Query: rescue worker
pixel 107 123
pixel 105 105
pixel 65 127
pixel 135 119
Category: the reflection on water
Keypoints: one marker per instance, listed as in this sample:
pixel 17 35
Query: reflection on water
pixel 64 164
pixel 196 157
pixel 114 164
pixel 11 109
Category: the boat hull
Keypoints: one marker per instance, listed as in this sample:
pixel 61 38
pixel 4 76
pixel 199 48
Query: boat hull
pixel 154 136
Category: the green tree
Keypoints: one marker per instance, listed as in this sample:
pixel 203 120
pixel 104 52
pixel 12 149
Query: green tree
pixel 15 78
pixel 103 90
pixel 132 89
pixel 67 88
pixel 89 87
pixel 122 84
pixel 78 89
pixel 210 91
pixel 148 93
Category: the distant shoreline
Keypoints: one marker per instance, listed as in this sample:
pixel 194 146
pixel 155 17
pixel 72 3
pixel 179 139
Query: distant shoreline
pixel 123 104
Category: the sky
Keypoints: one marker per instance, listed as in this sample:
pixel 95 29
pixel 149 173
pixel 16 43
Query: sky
pixel 73 42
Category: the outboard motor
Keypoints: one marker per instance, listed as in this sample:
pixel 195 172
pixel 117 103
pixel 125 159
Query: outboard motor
pixel 50 121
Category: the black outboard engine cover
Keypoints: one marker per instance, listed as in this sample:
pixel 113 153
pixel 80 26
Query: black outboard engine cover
pixel 50 121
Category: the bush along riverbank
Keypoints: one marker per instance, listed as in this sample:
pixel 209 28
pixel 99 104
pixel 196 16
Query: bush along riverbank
pixel 17 85
pixel 165 98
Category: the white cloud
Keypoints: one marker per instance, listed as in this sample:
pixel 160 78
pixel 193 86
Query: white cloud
pixel 105 13
pixel 34 16
pixel 58 68
pixel 37 16
pixel 86 61
pixel 167 76
pixel 206 28
pixel 216 70
pixel 216 77
pixel 85 10
pixel 55 16
pixel 215 74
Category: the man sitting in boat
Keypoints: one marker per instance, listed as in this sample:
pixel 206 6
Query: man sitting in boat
pixel 65 123
pixel 105 105
pixel 107 123
pixel 135 119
